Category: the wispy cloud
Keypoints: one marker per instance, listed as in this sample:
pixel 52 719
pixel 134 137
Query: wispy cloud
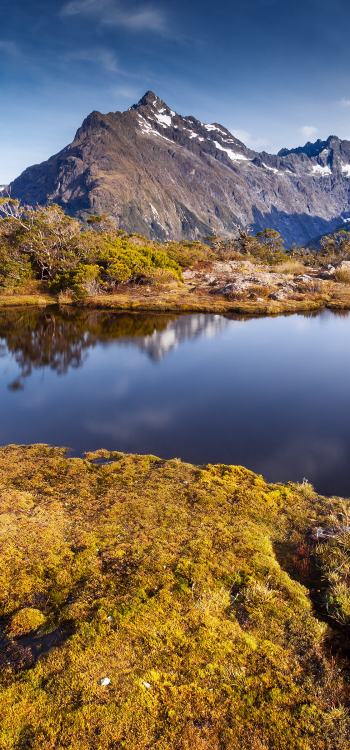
pixel 309 131
pixel 9 48
pixel 111 13
pixel 126 92
pixel 101 56
pixel 82 7
pixel 344 102
pixel 255 142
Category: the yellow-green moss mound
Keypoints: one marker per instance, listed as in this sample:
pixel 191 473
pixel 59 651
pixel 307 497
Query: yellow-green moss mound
pixel 25 621
pixel 172 620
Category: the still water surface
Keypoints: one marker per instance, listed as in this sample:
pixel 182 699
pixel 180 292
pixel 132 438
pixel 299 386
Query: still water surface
pixel 272 394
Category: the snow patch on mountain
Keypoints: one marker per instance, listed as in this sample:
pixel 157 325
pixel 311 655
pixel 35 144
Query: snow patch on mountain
pixel 233 155
pixel 215 127
pixel 271 169
pixel 320 170
pixel 146 129
pixel 164 120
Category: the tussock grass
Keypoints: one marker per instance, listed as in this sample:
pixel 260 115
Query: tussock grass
pixel 342 276
pixel 14 300
pixel 292 267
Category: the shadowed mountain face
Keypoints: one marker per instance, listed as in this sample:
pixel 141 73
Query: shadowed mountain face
pixel 173 177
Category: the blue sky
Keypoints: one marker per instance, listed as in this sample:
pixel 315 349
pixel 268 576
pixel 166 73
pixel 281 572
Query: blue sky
pixel 277 74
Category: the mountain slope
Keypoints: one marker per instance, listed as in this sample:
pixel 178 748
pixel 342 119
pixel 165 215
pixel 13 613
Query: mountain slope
pixel 169 176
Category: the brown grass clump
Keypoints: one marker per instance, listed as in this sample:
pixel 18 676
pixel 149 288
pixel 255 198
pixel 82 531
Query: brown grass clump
pixel 292 267
pixel 342 276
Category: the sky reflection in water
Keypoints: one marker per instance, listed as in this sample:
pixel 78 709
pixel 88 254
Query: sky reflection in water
pixel 272 394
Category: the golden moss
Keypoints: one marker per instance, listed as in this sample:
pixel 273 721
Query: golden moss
pixel 25 621
pixel 174 582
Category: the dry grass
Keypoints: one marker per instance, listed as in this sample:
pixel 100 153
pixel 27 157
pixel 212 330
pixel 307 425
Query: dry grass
pixel 342 276
pixel 25 300
pixel 292 267
pixel 178 302
pixel 200 302
pixel 65 298
pixel 339 297
pixel 186 298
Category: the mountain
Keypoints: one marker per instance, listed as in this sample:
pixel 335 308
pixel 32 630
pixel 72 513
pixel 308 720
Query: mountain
pixel 172 177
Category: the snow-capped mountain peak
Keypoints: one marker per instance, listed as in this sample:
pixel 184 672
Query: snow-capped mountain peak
pixel 167 176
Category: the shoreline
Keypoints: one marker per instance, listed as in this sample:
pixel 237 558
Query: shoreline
pixel 202 304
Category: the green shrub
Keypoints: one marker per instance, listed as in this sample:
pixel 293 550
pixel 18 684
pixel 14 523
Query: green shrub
pixel 15 269
pixel 86 279
pixel 123 261
pixel 189 254
pixel 160 277
pixel 266 246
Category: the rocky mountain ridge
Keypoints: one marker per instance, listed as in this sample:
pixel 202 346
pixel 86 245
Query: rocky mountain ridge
pixel 173 177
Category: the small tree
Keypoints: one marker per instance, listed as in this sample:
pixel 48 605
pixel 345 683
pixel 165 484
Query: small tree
pixel 47 235
pixel 271 240
pixel 336 245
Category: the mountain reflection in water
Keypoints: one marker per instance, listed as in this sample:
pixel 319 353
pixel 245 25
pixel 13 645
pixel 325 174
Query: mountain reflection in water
pixel 272 394
pixel 60 339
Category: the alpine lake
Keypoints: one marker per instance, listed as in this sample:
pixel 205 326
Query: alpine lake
pixel 271 394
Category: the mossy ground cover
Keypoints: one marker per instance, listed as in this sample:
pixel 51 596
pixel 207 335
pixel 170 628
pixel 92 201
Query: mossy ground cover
pixel 184 590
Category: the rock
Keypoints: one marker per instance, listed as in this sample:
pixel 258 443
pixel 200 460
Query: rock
pixel 104 681
pixel 146 685
pixel 325 273
pixel 280 294
pixel 304 278
pixel 188 274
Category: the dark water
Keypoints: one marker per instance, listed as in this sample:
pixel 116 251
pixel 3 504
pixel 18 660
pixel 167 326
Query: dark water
pixel 272 394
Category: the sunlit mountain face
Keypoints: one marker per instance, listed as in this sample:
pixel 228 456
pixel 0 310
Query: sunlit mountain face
pixel 170 176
